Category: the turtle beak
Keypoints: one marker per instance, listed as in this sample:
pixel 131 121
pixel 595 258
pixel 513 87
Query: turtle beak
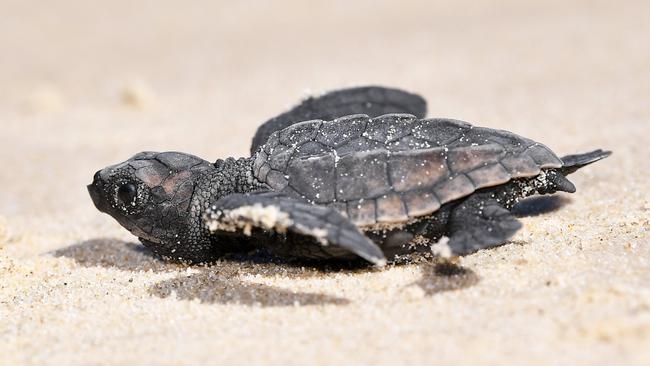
pixel 94 191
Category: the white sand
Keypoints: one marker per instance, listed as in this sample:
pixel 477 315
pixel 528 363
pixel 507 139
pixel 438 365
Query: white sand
pixel 84 85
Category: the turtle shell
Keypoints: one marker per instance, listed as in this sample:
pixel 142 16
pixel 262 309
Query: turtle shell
pixel 394 167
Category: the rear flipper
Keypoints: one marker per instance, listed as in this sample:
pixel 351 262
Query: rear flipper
pixel 555 180
pixel 577 161
pixel 371 100
pixel 273 212
pixel 479 222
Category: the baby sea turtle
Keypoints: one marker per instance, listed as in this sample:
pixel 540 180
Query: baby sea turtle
pixel 355 173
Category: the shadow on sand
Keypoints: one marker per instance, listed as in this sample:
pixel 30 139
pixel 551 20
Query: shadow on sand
pixel 221 283
pixel 539 205
pixel 113 253
pixel 445 276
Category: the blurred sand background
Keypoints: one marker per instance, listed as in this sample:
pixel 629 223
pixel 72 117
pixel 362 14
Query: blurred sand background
pixel 84 84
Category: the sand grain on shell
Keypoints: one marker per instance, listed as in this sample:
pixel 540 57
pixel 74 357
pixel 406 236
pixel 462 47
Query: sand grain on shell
pixel 571 288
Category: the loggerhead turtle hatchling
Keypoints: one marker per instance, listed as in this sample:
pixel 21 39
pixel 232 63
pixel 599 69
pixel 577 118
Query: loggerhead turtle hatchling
pixel 355 173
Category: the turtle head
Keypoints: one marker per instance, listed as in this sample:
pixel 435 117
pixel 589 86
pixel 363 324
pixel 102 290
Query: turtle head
pixel 155 196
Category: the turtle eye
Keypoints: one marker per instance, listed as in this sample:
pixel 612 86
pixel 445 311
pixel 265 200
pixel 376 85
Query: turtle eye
pixel 127 193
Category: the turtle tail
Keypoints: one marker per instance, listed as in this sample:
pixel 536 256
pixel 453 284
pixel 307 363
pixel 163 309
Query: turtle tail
pixel 577 161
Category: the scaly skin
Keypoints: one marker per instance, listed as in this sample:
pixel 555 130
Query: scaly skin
pixel 172 191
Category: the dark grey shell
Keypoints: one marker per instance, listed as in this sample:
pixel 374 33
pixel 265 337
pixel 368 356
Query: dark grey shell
pixel 394 167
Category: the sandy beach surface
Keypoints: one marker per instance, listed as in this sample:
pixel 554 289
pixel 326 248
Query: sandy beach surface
pixel 87 84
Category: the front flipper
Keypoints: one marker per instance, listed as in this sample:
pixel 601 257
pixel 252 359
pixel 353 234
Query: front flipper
pixel 371 100
pixel 480 222
pixel 274 212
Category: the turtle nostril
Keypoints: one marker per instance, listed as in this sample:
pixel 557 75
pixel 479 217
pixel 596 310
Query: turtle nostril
pixel 96 177
pixel 94 190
